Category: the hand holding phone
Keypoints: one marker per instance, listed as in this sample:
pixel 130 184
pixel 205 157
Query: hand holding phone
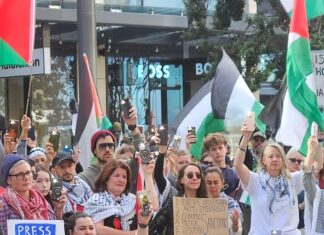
pixel 125 107
pixel 13 129
pixel 314 129
pixel 54 139
pixel 192 131
pixel 143 198
pixel 250 120
pixel 145 156
pixel 56 188
pixel 163 133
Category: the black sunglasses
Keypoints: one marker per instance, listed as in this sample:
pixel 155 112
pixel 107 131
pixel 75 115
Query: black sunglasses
pixel 103 146
pixel 208 163
pixel 190 175
pixel 294 160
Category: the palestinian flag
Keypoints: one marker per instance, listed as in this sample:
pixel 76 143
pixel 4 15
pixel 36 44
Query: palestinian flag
pixel 194 113
pixel 90 116
pixel 300 107
pixel 17 31
pixel 220 103
pixel 314 8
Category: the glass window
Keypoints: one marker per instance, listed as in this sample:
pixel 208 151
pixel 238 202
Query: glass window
pixel 51 95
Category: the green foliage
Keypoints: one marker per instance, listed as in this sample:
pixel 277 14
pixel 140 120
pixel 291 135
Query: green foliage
pixel 259 50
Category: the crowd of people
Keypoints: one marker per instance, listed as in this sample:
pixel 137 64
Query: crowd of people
pixel 267 191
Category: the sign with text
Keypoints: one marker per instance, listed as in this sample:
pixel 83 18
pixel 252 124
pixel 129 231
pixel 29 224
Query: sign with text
pixel 41 65
pixel 200 216
pixel 318 68
pixel 35 227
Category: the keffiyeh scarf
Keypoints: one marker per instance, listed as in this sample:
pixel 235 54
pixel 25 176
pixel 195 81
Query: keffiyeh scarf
pixel 277 189
pixel 103 205
pixel 34 208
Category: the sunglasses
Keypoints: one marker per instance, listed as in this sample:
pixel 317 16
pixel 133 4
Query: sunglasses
pixel 208 163
pixel 294 160
pixel 103 146
pixel 190 175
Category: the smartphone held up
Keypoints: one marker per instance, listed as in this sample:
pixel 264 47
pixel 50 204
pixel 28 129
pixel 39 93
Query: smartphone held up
pixel 163 133
pixel 250 120
pixel 125 107
pixel 13 129
pixel 54 139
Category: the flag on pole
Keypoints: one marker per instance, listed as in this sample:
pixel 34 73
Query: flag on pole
pixel 17 31
pixel 90 115
pixel 271 114
pixel 314 8
pixel 300 107
pixel 221 101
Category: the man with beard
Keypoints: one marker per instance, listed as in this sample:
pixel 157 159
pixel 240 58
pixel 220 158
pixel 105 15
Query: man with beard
pixel 103 147
pixel 78 191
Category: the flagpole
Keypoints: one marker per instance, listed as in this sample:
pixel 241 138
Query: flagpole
pixel 29 88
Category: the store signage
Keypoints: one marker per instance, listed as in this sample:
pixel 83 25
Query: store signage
pixel 195 69
pixel 318 69
pixel 41 65
pixel 155 71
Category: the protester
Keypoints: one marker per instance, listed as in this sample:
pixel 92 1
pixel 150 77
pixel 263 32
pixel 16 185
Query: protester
pixel 38 155
pixel 206 161
pixel 42 182
pixel 214 181
pixel 294 161
pixel 112 206
pixel 79 223
pixel 78 191
pixel 314 203
pixel 272 189
pixel 189 184
pixel 21 201
pixel 215 145
pixel 103 147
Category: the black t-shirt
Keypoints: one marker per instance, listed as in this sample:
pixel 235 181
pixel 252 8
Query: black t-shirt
pixel 115 222
pixel 231 179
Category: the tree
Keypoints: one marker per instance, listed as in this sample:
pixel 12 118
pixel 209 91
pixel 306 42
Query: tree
pixel 259 50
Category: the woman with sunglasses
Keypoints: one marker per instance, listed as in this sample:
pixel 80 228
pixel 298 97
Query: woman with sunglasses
pixel 214 181
pixel 21 201
pixel 189 184
pixel 273 189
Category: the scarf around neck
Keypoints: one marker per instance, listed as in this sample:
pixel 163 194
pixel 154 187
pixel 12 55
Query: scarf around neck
pixel 278 190
pixel 103 205
pixel 34 208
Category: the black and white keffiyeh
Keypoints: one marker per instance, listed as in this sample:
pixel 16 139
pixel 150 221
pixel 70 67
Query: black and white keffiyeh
pixel 103 205
pixel 278 190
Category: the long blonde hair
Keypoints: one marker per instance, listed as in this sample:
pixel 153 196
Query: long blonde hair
pixel 284 170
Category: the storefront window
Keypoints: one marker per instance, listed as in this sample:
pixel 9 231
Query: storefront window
pixel 3 97
pixel 51 96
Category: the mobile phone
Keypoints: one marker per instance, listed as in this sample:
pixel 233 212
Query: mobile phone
pixel 250 120
pixel 125 107
pixel 143 198
pixel 192 130
pixel 176 142
pixel 163 132
pixel 314 129
pixel 54 138
pixel 31 133
pixel 13 129
pixel 56 188
pixel 145 156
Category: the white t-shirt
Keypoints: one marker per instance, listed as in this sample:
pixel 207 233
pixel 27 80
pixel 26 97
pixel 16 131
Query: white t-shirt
pixel 285 216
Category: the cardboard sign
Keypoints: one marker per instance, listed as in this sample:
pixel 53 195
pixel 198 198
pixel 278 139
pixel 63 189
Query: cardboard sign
pixel 35 227
pixel 200 216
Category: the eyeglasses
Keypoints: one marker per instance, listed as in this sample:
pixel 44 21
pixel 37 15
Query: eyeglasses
pixel 103 146
pixel 22 175
pixel 190 175
pixel 208 163
pixel 294 160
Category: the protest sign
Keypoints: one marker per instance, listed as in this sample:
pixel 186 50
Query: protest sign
pixel 200 216
pixel 35 227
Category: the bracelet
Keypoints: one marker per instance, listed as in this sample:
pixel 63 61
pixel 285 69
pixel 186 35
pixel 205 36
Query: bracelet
pixel 132 127
pixel 242 148
pixel 142 225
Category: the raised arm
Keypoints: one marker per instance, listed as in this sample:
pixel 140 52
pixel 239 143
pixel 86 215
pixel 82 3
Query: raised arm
pixel 242 171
